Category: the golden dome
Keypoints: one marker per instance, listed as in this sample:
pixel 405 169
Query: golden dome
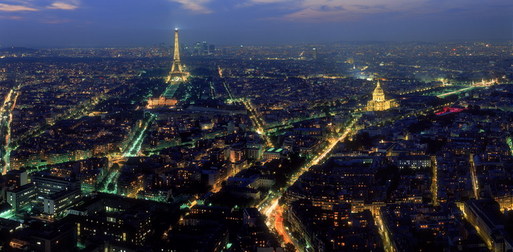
pixel 378 94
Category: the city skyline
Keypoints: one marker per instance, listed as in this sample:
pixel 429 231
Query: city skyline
pixel 256 125
pixel 115 23
pixel 325 147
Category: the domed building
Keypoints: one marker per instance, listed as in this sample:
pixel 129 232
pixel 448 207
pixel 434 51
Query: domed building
pixel 378 102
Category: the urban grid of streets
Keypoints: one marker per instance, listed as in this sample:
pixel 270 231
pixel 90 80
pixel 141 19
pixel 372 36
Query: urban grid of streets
pixel 270 206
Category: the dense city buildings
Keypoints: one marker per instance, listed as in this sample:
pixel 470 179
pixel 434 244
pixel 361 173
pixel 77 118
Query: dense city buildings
pixel 258 148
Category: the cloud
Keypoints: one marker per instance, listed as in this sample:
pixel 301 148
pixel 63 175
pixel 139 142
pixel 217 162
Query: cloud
pixel 197 6
pixel 250 3
pixel 63 6
pixel 15 8
pixel 334 10
pixel 11 17
pixel 268 1
pixel 342 10
pixel 37 5
pixel 56 21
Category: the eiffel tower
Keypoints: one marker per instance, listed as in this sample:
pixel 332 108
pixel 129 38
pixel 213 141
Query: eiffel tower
pixel 177 73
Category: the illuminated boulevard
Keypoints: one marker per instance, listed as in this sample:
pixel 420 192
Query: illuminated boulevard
pixel 270 206
pixel 133 149
pixel 482 83
pixel 5 126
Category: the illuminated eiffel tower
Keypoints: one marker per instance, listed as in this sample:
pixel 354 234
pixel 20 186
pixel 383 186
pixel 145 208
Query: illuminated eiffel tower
pixel 177 73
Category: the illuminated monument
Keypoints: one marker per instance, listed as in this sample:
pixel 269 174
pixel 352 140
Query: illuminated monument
pixel 177 73
pixel 378 102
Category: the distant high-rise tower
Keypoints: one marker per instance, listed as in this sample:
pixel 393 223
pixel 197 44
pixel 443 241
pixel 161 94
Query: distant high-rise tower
pixel 177 73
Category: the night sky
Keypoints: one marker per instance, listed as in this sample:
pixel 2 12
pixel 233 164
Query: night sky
pixel 97 23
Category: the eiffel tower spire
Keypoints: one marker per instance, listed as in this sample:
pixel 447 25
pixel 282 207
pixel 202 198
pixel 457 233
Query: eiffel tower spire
pixel 177 73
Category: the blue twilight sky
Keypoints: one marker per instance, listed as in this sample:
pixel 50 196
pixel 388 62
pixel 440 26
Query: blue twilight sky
pixel 70 23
